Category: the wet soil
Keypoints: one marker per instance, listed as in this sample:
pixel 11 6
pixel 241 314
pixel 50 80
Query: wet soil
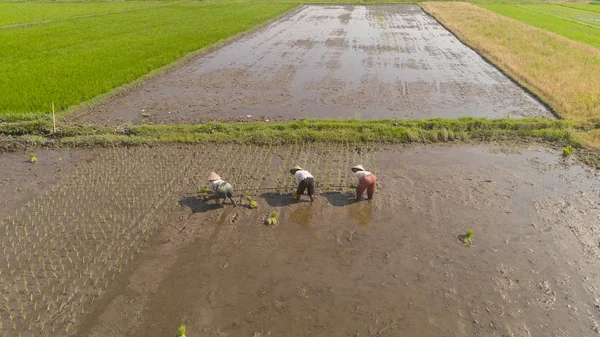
pixel 21 180
pixel 389 267
pixel 393 266
pixel 327 61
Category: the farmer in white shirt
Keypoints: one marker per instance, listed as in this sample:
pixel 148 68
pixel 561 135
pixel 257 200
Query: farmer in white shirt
pixel 364 180
pixel 305 182
pixel 219 188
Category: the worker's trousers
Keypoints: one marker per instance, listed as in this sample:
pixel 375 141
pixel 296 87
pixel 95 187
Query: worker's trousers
pixel 368 183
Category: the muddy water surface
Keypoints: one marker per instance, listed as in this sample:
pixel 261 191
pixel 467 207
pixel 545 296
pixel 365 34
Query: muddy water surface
pixel 21 180
pixel 390 267
pixel 329 61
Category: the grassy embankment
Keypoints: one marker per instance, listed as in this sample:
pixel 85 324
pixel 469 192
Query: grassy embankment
pixel 564 73
pixel 561 132
pixel 72 61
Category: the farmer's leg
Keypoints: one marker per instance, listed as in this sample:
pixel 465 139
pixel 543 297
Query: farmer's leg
pixel 372 187
pixel 301 188
pixel 360 189
pixel 230 195
pixel 310 186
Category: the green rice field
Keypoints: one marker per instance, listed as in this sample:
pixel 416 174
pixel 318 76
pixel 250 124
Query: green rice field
pixel 567 13
pixel 35 13
pixel 581 24
pixel 73 60
pixel 591 7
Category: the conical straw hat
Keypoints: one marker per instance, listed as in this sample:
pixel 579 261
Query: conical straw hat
pixel 295 168
pixel 358 167
pixel 213 176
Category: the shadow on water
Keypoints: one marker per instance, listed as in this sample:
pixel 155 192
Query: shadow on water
pixel 197 205
pixel 362 212
pixel 339 199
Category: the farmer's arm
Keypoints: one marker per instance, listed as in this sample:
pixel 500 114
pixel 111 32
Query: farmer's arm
pixel 210 192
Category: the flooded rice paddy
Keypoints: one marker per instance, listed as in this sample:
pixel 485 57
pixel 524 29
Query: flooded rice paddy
pixel 389 267
pixel 328 61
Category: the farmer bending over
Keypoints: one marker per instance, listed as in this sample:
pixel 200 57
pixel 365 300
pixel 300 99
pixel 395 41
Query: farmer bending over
pixel 305 181
pixel 364 180
pixel 219 188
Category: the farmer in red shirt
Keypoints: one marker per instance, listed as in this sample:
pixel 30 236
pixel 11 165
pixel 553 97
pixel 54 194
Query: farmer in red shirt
pixel 364 180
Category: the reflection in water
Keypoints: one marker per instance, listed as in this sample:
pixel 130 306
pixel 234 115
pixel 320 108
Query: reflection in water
pixel 362 212
pixel 302 215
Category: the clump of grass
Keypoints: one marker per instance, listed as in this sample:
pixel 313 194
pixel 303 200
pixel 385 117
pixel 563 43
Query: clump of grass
pixel 181 331
pixel 32 158
pixel 567 151
pixel 251 203
pixel 466 238
pixel 271 220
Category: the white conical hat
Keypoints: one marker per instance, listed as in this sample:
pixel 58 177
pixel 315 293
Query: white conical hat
pixel 213 176
pixel 295 168
pixel 358 167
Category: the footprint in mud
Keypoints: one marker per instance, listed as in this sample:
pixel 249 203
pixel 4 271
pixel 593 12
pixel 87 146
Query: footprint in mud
pixel 210 298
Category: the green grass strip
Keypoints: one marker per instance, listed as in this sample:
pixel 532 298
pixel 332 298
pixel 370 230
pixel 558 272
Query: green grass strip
pixel 571 30
pixel 72 61
pixel 332 130
pixel 591 7
pixel 566 13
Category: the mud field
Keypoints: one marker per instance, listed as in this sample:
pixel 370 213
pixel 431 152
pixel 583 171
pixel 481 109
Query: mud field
pixel 113 244
pixel 328 61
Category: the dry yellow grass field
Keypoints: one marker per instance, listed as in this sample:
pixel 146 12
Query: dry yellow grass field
pixel 563 73
pixel 590 138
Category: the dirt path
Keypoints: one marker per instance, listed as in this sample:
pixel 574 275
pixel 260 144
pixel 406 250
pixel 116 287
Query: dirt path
pixel 390 267
pixel 328 61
